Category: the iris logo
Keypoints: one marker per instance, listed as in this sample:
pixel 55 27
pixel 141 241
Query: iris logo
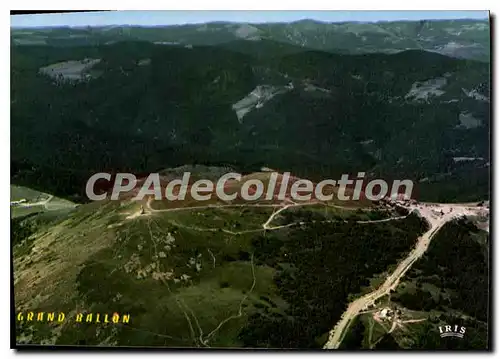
pixel 449 331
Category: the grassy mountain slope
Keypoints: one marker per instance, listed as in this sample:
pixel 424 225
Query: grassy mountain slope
pixel 196 277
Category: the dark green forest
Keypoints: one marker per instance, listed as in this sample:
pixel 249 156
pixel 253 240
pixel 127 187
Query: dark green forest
pixel 457 263
pixel 318 266
pixel 178 110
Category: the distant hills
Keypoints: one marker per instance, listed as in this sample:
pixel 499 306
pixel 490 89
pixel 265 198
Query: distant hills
pixel 459 38
pixel 141 106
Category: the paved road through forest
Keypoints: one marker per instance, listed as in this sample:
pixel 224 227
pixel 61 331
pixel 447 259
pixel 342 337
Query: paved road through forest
pixel 436 221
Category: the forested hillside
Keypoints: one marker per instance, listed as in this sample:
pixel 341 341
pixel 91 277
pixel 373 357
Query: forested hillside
pixel 144 107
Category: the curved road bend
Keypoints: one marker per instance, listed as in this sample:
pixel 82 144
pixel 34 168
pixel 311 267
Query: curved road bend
pixel 436 222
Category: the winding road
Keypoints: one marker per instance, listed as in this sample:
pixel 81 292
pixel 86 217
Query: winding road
pixel 432 214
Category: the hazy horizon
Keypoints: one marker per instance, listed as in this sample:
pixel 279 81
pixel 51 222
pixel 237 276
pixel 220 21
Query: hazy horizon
pixel 182 17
